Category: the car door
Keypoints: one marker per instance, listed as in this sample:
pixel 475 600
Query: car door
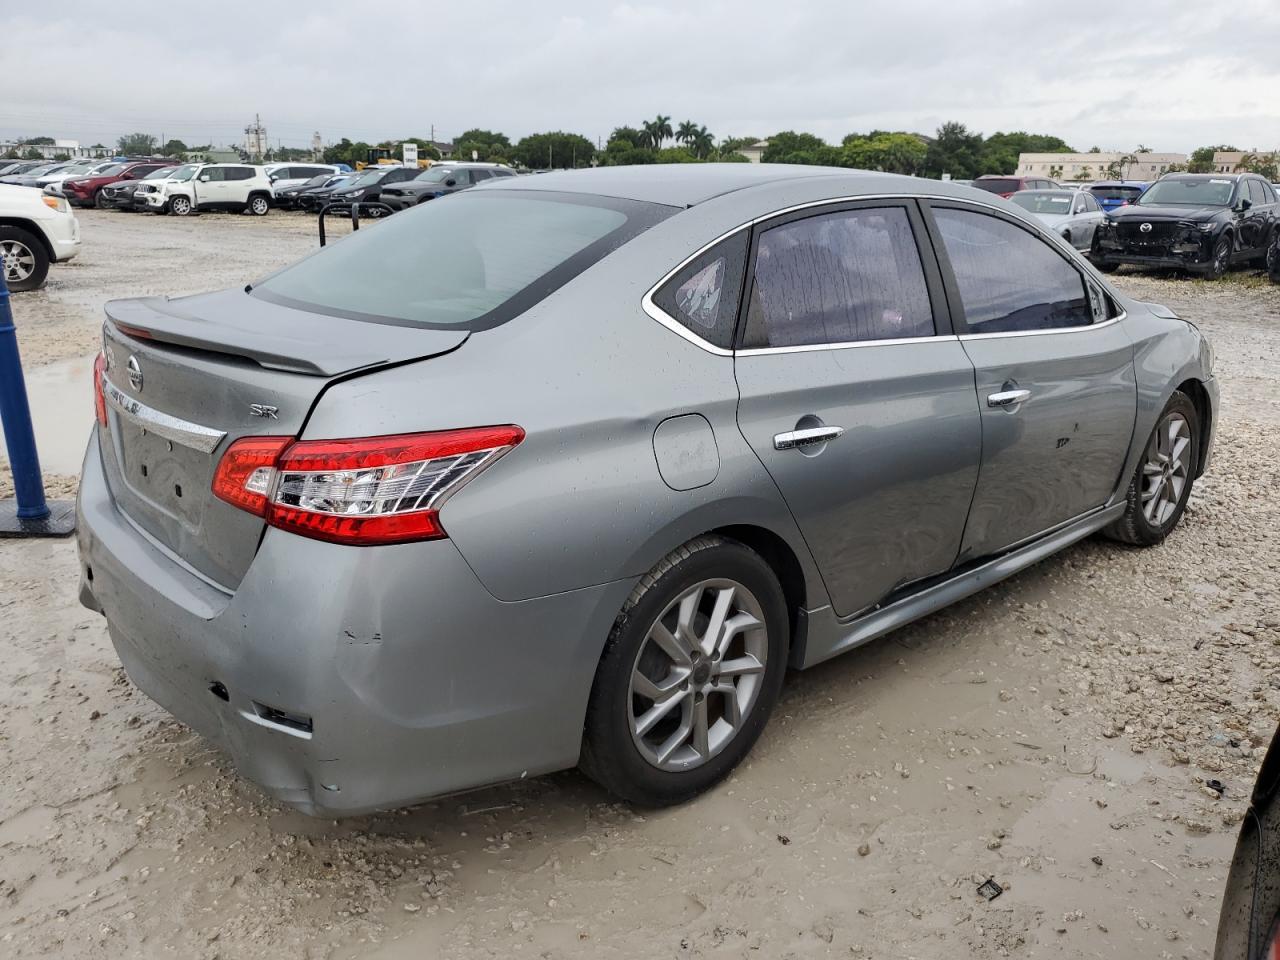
pixel 211 187
pixel 857 397
pixel 1086 215
pixel 1254 222
pixel 1054 376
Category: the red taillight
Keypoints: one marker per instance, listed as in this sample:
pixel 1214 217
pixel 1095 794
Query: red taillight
pixel 362 492
pixel 99 398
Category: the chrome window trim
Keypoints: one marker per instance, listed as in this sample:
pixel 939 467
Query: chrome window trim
pixel 675 326
pixel 1040 333
pixel 193 435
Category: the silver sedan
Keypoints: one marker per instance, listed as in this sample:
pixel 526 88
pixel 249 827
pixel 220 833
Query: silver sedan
pixel 1072 214
pixel 572 469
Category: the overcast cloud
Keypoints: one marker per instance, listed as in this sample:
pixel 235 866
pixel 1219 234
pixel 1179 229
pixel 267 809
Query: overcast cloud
pixel 1172 75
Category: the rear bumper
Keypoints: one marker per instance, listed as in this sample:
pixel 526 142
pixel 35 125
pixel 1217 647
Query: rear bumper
pixel 415 681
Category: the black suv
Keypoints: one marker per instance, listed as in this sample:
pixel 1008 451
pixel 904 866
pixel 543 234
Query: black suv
pixel 1198 222
pixel 439 179
pixel 368 184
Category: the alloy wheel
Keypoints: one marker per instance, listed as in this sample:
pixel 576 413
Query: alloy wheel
pixel 697 675
pixel 1166 470
pixel 17 260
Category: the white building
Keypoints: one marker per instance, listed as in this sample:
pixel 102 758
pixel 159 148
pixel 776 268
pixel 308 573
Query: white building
pixel 1227 161
pixel 1094 166
pixel 755 151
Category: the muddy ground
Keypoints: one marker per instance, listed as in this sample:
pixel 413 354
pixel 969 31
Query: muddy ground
pixel 1055 732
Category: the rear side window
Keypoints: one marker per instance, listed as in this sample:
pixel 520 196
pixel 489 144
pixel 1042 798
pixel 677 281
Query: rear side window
pixel 474 262
pixel 842 277
pixel 1256 196
pixel 703 296
pixel 1009 279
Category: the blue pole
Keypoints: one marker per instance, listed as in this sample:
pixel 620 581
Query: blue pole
pixel 15 414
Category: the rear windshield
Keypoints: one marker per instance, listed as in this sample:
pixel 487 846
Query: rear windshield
pixel 1042 202
pixel 471 260
pixel 1115 193
pixel 998 185
pixel 1209 192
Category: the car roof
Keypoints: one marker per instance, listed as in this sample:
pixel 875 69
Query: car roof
pixel 680 184
pixel 1118 183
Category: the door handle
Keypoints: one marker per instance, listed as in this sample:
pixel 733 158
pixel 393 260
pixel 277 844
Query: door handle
pixel 805 438
pixel 1007 398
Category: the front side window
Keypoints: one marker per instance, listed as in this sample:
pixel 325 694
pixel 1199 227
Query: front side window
pixel 703 296
pixel 472 263
pixel 842 277
pixel 1009 279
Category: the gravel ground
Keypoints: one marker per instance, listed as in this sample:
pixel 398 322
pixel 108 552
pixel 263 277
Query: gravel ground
pixel 1056 732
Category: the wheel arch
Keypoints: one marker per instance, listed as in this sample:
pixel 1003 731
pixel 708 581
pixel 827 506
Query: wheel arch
pixel 1194 389
pixel 31 227
pixel 782 559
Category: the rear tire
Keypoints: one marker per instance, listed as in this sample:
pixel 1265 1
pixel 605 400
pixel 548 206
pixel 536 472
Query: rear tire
pixel 181 207
pixel 23 259
pixel 1158 492
pixel 704 635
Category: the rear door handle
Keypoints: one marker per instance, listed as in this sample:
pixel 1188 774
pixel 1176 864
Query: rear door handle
pixel 805 438
pixel 1007 398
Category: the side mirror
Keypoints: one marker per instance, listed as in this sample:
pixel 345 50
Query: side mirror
pixel 204 178
pixel 451 182
pixel 1245 204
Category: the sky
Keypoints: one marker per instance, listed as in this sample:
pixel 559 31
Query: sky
pixel 1172 75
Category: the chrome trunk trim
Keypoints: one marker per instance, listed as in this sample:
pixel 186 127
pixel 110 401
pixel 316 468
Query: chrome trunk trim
pixel 193 435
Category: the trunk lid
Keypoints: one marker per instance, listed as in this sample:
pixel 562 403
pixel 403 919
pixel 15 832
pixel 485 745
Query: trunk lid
pixel 188 377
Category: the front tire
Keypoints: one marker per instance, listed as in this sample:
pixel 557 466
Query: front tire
pixel 99 200
pixel 689 675
pixel 181 207
pixel 1158 493
pixel 23 259
pixel 1221 258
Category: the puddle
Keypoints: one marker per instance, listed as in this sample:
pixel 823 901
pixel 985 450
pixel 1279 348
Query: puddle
pixel 61 399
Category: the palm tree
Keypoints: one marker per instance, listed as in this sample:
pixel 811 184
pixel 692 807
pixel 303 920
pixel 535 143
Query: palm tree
pixel 1085 174
pixel 657 130
pixel 687 131
pixel 1125 163
pixel 701 143
pixel 1247 162
pixel 1143 148
pixel 1055 172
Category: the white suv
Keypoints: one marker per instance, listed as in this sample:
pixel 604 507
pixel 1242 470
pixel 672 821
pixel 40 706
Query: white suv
pixel 285 175
pixel 212 186
pixel 35 231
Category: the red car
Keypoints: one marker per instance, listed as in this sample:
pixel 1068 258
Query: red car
pixel 87 191
pixel 1008 186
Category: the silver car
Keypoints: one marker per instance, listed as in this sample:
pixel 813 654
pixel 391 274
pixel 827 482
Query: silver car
pixel 569 470
pixel 1072 214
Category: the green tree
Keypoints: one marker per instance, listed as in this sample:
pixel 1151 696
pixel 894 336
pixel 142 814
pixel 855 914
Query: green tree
pixel 791 147
pixel 1201 160
pixel 62 156
pixel 174 148
pixel 1000 151
pixel 137 144
pixel 488 145
pixel 39 141
pixel 1265 165
pixel 1055 172
pixel 701 143
pixel 621 152
pixel 555 150
pixel 686 131
pixel 32 154
pixel 637 138
pixel 955 151
pixel 12 154
pixel 1095 150
pixel 727 152
pixel 1124 163
pixel 1086 172
pixel 890 152
pixel 676 155
pixel 657 131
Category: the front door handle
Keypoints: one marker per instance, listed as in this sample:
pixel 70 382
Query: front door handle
pixel 1007 398
pixel 805 438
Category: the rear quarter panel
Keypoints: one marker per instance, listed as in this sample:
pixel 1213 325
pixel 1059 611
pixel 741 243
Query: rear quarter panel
pixel 589 376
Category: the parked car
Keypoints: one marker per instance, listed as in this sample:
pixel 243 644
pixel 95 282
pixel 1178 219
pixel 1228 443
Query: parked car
pixel 286 175
pixel 27 176
pixel 1008 186
pixel 215 186
pixel 1072 214
pixel 11 168
pixel 439 179
pixel 367 185
pixel 313 198
pixel 1116 193
pixel 152 194
pixel 1202 223
pixel 287 199
pixel 1273 258
pixel 52 181
pixel 87 191
pixel 371 526
pixel 1249 925
pixel 121 195
pixel 35 231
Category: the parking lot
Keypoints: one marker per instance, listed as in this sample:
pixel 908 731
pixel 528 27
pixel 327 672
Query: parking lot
pixel 1056 733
